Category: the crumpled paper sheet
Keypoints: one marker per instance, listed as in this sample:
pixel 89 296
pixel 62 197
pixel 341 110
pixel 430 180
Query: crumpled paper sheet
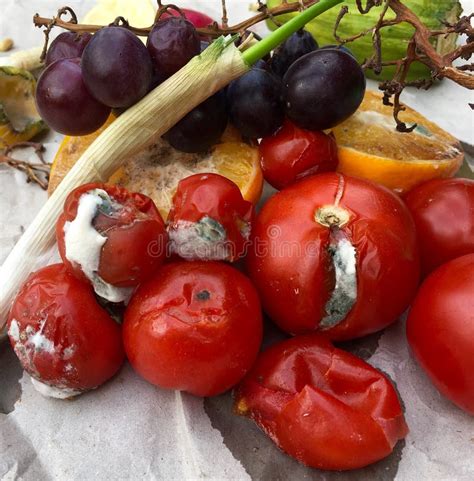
pixel 129 429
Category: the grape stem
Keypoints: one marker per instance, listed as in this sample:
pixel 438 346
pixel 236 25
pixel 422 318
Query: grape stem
pixel 213 30
pixel 36 172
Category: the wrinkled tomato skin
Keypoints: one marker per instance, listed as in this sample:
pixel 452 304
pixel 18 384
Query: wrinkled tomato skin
pixel 440 330
pixel 195 327
pixel 292 154
pixel 134 249
pixel 290 266
pixel 215 196
pixel 443 210
pixel 88 347
pixel 321 405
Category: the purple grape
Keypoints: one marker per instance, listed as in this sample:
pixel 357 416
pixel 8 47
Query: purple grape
pixel 117 68
pixel 297 45
pixel 67 45
pixel 255 105
pixel 64 102
pixel 201 128
pixel 172 43
pixel 323 88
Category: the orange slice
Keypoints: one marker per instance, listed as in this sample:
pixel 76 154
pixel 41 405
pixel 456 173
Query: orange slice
pixel 371 148
pixel 157 170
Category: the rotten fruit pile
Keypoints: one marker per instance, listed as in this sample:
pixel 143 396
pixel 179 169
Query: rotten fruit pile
pixel 178 286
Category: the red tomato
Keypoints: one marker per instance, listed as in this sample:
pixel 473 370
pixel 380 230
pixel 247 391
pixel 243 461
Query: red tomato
pixel 443 210
pixel 61 335
pixel 209 219
pixel 335 254
pixel 195 326
pixel 293 153
pixel 321 405
pixel 440 330
pixel 131 228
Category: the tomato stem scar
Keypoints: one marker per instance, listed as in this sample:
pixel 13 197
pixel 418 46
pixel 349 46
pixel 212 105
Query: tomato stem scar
pixel 331 216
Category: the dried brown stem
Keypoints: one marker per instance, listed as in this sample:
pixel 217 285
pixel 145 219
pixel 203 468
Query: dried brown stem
pixel 36 172
pixel 420 49
pixel 213 30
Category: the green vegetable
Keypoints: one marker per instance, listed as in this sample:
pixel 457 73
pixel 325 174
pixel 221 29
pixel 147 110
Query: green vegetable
pixel 394 39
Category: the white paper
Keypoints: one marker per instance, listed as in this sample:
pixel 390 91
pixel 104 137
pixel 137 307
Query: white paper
pixel 129 429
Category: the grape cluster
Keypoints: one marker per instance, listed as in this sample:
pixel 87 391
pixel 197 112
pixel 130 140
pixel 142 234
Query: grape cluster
pixel 316 88
pixel 87 76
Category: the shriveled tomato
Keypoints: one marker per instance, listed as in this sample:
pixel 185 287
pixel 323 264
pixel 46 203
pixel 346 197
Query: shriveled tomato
pixel 108 235
pixel 209 219
pixel 293 153
pixel 335 254
pixel 321 405
pixel 195 326
pixel 63 338
pixel 443 210
pixel 440 330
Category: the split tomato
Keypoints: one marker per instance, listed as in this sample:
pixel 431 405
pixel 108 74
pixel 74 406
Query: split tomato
pixel 440 330
pixel 109 232
pixel 443 210
pixel 335 254
pixel 209 219
pixel 321 405
pixel 63 338
pixel 195 326
pixel 292 154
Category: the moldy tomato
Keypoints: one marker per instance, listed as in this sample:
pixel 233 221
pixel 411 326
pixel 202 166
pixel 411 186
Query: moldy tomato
pixel 335 254
pixel 110 237
pixel 209 219
pixel 195 326
pixel 443 210
pixel 440 330
pixel 321 405
pixel 293 153
pixel 63 338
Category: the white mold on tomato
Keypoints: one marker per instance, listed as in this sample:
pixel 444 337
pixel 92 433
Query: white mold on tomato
pixel 343 256
pixel 206 239
pixel 54 391
pixel 84 244
pixel 14 331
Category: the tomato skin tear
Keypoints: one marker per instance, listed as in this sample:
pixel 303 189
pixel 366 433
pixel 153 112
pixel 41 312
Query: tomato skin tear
pixel 294 273
pixel 321 405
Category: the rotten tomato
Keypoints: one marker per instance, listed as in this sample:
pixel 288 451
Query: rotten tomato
pixel 321 405
pixel 195 326
pixel 111 238
pixel 334 254
pixel 209 219
pixel 62 337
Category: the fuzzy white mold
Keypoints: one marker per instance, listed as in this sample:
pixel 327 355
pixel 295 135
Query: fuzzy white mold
pixel 206 239
pixel 84 244
pixel 344 295
pixel 54 392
